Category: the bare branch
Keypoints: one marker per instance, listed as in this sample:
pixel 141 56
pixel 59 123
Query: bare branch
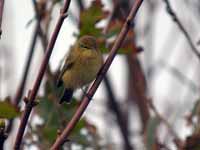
pixel 117 111
pixel 127 25
pixel 180 25
pixel 31 98
pixel 1 14
pixel 177 140
pixel 137 89
pixel 22 84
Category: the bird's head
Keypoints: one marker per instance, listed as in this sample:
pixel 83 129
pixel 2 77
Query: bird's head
pixel 88 42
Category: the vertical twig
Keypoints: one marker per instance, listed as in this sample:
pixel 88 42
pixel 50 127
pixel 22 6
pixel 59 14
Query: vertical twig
pixel 180 25
pixel 137 87
pixel 1 15
pixel 20 90
pixel 22 84
pixel 119 116
pixel 127 25
pixel 30 100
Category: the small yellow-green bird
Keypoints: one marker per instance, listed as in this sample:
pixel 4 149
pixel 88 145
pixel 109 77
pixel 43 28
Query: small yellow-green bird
pixel 80 67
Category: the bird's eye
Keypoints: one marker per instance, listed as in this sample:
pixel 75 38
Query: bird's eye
pixel 83 46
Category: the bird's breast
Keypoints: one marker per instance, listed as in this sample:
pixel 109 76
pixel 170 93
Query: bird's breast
pixel 83 71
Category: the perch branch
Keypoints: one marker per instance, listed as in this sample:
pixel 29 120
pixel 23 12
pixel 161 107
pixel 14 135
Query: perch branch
pixel 84 103
pixel 30 101
pixel 180 25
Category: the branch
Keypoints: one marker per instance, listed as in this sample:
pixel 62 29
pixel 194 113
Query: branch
pixel 180 25
pixel 1 14
pixel 19 93
pixel 84 103
pixel 20 89
pixel 43 36
pixel 30 100
pixel 137 89
pixel 119 116
pixel 39 14
pixel 22 84
pixel 177 140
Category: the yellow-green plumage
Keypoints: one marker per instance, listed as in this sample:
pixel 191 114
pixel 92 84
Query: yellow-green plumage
pixel 81 66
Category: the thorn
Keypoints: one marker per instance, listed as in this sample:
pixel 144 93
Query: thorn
pixel 25 100
pixel 89 96
pixel 130 23
pixel 63 14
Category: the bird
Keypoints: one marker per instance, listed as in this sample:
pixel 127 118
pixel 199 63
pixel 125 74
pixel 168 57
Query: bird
pixel 81 66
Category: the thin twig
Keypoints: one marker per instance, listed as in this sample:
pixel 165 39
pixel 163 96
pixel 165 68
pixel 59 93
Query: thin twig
pixel 30 101
pixel 162 119
pixel 1 15
pixel 39 18
pixel 84 103
pixel 22 84
pixel 113 102
pixel 137 89
pixel 20 89
pixel 119 116
pixel 180 25
pixel 181 77
pixel 27 67
pixel 179 143
pixel 42 35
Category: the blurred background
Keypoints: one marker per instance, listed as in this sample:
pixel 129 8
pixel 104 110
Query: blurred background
pixel 149 99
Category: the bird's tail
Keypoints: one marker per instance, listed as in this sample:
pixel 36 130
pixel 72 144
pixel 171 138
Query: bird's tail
pixel 67 96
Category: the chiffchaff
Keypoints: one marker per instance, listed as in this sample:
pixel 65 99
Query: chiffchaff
pixel 80 67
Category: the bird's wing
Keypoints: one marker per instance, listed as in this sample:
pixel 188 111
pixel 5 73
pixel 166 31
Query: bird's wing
pixel 69 62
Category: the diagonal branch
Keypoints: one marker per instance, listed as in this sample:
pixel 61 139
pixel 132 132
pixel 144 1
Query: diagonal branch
pixel 1 14
pixel 119 116
pixel 30 100
pixel 177 140
pixel 22 84
pixel 19 93
pixel 86 100
pixel 20 90
pixel 180 25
